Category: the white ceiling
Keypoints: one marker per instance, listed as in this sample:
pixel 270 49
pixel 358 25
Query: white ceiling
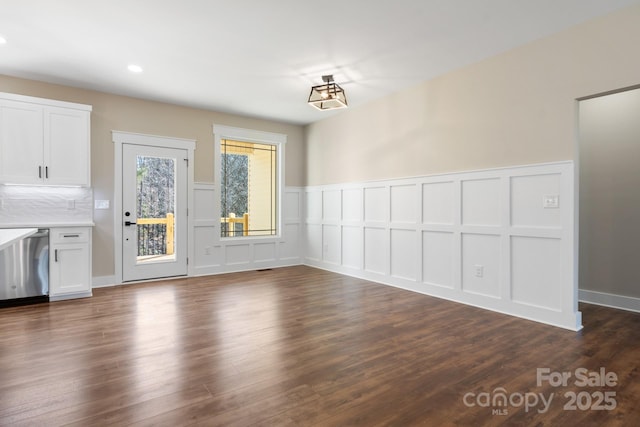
pixel 259 58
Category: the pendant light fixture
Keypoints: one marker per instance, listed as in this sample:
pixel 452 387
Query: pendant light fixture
pixel 327 96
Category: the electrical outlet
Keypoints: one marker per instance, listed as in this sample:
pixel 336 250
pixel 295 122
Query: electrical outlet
pixel 479 269
pixel 207 250
pixel 551 201
pixel 71 204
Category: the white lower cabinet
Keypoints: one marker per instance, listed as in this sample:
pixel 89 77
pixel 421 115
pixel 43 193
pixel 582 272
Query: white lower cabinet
pixel 69 263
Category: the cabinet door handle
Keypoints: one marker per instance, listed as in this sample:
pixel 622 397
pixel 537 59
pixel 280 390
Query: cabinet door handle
pixel 55 255
pixel 70 235
pixel 39 171
pixel 46 172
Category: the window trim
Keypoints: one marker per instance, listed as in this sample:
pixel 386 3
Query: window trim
pixel 221 132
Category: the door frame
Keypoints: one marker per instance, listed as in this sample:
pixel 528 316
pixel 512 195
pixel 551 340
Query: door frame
pixel 120 138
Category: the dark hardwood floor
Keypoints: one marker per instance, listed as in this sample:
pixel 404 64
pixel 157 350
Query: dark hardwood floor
pixel 304 347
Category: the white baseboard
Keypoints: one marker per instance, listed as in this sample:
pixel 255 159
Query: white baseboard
pixel 76 295
pixel 224 269
pixel 609 300
pixel 103 281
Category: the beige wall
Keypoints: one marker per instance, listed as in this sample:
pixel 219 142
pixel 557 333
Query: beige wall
pixel 111 112
pixel 513 109
pixel 610 194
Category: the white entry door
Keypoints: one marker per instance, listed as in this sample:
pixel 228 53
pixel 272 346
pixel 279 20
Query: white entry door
pixel 154 212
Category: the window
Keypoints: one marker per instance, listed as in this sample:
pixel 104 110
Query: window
pixel 250 180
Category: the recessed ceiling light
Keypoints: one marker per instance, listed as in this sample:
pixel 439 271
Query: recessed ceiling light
pixel 135 68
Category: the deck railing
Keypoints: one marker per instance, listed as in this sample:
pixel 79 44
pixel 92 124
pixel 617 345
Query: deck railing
pixel 156 235
pixel 231 222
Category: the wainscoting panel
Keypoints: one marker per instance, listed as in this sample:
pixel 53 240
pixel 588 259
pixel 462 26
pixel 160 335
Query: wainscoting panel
pixel 292 206
pixel 204 202
pixel 438 203
pixel 376 205
pixel 209 255
pixel 376 251
pixel 264 252
pixel 331 243
pixel 290 247
pixel 501 239
pixel 313 240
pixel 214 256
pixel 528 194
pixel 404 254
pixel 404 204
pixel 237 254
pixel 536 272
pixel 353 247
pixel 481 264
pixel 313 205
pixel 438 258
pixel 481 202
pixel 331 205
pixel 352 205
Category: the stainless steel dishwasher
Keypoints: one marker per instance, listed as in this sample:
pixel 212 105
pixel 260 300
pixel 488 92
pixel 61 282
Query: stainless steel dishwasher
pixel 24 269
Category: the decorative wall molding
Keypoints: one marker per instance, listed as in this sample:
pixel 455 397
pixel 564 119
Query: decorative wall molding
pixel 610 300
pixel 214 256
pixel 500 239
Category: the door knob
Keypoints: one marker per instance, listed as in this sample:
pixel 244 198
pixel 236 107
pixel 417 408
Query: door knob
pixel 128 223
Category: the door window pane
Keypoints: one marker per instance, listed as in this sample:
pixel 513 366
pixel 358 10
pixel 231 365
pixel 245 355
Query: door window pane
pixel 156 201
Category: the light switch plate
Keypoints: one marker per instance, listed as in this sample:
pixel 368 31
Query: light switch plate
pixel 551 201
pixel 101 204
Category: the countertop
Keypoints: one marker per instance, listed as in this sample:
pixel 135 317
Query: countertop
pixel 44 224
pixel 8 236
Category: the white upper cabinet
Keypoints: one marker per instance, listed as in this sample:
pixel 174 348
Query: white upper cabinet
pixel 44 142
pixel 66 148
pixel 21 143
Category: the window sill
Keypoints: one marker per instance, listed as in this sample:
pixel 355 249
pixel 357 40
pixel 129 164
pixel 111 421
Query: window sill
pixel 250 239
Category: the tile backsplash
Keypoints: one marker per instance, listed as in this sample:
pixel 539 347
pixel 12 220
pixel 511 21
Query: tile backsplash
pixel 20 205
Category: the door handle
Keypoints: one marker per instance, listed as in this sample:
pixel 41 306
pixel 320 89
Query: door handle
pixel 128 223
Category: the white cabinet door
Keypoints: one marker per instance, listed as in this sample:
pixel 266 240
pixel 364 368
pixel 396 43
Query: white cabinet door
pixel 69 269
pixel 69 263
pixel 66 146
pixel 44 142
pixel 21 143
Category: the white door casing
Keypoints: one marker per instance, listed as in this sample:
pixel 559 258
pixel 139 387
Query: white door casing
pixel 127 147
